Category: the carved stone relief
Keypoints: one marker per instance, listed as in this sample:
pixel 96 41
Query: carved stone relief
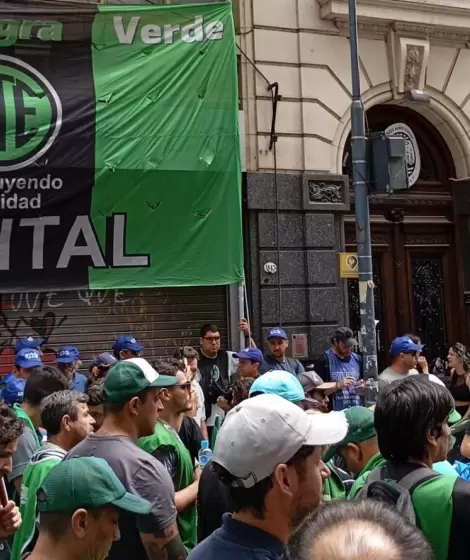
pixel 409 58
pixel 413 66
pixel 325 192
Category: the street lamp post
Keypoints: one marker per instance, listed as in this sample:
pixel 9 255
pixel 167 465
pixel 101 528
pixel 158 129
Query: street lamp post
pixel 359 176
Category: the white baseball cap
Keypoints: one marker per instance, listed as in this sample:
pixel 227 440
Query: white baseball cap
pixel 267 430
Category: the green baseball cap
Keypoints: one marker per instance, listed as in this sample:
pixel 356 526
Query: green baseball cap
pixel 89 483
pixel 360 428
pixel 130 377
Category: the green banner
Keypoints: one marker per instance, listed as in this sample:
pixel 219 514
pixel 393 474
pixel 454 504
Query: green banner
pixel 119 147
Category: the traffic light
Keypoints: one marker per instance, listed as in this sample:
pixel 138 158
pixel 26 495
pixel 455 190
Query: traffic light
pixel 387 163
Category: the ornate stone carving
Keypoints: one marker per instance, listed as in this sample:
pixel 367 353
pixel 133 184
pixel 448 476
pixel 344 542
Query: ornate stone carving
pixel 413 66
pixel 409 57
pixel 325 192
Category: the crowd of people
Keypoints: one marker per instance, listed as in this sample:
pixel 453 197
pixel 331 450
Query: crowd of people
pixel 109 463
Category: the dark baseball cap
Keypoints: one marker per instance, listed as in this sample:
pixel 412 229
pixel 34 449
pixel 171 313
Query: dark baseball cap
pixel 250 354
pixel 277 332
pixel 127 342
pixel 346 336
pixel 28 342
pixel 404 344
pixel 28 358
pixel 311 381
pixel 103 360
pixel 67 355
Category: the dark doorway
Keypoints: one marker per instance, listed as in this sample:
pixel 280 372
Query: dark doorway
pixel 413 245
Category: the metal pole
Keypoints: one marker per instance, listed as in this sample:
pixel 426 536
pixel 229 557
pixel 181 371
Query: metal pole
pixel 359 174
pixel 241 311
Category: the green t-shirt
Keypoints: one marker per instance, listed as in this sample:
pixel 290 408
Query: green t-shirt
pixel 333 487
pixel 374 463
pixel 165 436
pixel 21 414
pixel 41 463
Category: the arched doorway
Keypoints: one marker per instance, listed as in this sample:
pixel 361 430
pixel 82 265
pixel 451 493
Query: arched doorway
pixel 413 245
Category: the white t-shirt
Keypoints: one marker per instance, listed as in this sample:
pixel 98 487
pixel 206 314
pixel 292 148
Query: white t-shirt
pixel 430 376
pixel 389 375
pixel 200 415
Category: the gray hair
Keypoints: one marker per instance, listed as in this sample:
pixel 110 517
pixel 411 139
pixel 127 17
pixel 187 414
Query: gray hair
pixel 57 405
pixel 342 529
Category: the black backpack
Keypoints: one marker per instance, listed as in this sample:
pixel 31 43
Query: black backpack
pixel 396 493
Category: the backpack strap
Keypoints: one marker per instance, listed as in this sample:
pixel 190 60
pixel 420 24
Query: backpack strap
pixel 417 477
pixel 375 475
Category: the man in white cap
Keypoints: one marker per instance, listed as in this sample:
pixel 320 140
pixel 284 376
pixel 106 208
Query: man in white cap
pixel 268 454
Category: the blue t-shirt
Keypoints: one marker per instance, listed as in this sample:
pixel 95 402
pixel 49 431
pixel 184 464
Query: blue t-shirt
pixel 78 383
pixel 339 369
pixel 290 364
pixel 13 390
pixel 238 541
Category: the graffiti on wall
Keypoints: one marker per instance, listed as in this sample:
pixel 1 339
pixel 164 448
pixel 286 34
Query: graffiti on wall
pixel 162 319
pixel 42 314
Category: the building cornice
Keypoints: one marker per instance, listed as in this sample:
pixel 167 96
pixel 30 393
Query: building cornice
pixel 405 17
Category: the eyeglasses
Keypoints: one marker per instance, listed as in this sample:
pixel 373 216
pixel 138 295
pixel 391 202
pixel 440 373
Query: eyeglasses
pixel 212 338
pixel 184 386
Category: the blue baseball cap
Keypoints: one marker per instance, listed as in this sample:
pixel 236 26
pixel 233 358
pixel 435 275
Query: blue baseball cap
pixel 250 354
pixel 281 383
pixel 28 358
pixel 404 344
pixel 28 342
pixel 103 360
pixel 127 342
pixel 277 332
pixel 67 355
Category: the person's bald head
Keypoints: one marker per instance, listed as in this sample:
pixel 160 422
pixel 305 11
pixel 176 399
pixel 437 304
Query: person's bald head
pixel 357 530
pixel 355 539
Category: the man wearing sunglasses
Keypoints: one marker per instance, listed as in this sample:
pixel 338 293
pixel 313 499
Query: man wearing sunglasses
pixel 166 445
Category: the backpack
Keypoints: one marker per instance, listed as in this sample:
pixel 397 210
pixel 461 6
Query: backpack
pixel 396 493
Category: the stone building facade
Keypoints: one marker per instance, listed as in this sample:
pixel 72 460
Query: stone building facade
pixel 299 208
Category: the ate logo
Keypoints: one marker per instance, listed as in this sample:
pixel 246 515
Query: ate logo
pixel 30 114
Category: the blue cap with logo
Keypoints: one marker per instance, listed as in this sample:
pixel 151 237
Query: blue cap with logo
pixel 277 332
pixel 28 342
pixel 281 383
pixel 250 354
pixel 127 342
pixel 103 360
pixel 404 344
pixel 28 358
pixel 67 355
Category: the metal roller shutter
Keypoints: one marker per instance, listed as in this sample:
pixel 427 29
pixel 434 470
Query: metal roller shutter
pixel 162 319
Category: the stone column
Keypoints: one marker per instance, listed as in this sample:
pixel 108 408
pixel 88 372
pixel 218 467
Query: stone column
pixel 306 269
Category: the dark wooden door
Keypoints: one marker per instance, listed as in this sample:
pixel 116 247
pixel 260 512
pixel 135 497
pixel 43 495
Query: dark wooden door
pixel 416 291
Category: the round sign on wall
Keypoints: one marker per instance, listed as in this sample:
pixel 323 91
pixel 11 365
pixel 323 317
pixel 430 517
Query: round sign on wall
pixel 413 159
